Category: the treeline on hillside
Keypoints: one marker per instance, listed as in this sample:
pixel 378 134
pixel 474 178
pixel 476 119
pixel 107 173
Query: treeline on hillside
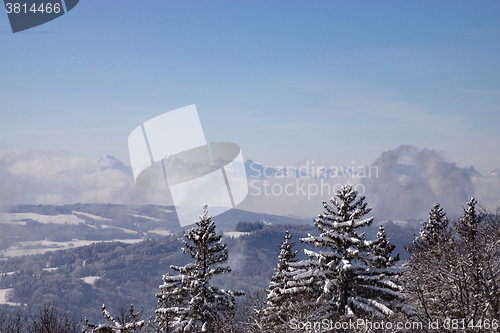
pixel 245 226
pixel 36 231
pixel 127 273
pixel 140 218
pixel 110 211
pixel 131 273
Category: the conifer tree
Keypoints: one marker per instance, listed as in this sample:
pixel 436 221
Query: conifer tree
pixel 280 301
pixel 467 226
pixel 187 303
pixel 381 250
pixel 345 279
pixel 435 229
pixel 173 297
pixel 471 246
pixel 432 253
pixel 281 276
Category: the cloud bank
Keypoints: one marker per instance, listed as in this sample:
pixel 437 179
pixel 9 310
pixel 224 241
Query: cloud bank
pixel 35 177
pixel 409 181
pixel 411 189
pixel 406 185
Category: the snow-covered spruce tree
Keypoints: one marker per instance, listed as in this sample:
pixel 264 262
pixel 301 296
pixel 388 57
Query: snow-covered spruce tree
pixel 433 254
pixel 280 300
pixel 474 301
pixel 126 322
pixel 467 227
pixel 173 296
pixel 187 303
pixel 381 250
pixel 345 279
pixel 435 230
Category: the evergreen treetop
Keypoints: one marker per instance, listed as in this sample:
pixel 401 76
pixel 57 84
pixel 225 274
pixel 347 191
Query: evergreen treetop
pixel 381 250
pixel 350 279
pixel 187 303
pixel 435 230
pixel 468 225
pixel 281 275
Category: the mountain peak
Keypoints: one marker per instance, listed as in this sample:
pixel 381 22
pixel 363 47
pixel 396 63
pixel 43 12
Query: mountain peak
pixel 110 162
pixel 471 172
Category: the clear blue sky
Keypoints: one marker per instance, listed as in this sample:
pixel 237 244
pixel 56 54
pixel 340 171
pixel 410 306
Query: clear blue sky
pixel 329 81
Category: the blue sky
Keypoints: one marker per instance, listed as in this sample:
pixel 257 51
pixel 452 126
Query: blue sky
pixel 329 81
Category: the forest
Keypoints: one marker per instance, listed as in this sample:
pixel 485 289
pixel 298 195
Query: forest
pixel 333 275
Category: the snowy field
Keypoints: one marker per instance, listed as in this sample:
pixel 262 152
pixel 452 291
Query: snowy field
pixel 42 246
pixel 91 216
pixel 147 217
pixel 18 249
pixel 90 279
pixel 3 294
pixel 235 234
pixel 160 232
pixel 398 222
pixel 51 269
pixel 128 231
pixel 58 219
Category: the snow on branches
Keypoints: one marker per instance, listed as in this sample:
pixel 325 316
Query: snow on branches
pixel 187 303
pixel 354 277
pixel 126 322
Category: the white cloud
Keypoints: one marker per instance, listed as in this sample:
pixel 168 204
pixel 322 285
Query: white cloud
pixel 37 177
pixel 434 179
pixel 393 194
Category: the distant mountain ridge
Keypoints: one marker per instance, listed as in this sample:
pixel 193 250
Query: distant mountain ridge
pixel 110 162
pixel 301 169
